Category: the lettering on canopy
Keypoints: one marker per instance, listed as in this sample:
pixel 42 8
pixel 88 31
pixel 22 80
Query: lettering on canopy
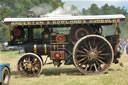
pixel 61 22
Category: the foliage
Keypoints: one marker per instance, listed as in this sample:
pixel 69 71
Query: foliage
pixel 18 8
pixel 105 10
pixel 94 9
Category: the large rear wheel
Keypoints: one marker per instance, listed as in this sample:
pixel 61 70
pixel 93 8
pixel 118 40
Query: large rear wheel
pixel 92 54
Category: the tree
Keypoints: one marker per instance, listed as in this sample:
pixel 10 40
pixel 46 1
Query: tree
pixel 18 8
pixel 84 11
pixel 105 10
pixel 3 33
pixel 94 10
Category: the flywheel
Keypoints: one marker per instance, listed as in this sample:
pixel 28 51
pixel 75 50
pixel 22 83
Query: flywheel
pixel 78 32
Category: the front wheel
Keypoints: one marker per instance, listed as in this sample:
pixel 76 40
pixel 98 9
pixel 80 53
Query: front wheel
pixel 30 65
pixel 92 54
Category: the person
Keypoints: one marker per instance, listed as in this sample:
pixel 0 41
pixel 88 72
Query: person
pixel 123 44
pixel 127 47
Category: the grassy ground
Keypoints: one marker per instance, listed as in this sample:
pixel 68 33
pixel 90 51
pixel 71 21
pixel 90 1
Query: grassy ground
pixel 67 75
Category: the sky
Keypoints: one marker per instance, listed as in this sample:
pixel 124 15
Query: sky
pixel 86 3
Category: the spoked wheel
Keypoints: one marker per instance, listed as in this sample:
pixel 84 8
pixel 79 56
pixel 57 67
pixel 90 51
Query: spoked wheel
pixel 29 65
pixel 92 54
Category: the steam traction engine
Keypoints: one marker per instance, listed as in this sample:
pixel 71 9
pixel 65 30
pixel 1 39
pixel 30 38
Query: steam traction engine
pixel 77 40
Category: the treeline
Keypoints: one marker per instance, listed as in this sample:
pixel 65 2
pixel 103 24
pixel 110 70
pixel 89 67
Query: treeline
pixel 109 9
pixel 18 8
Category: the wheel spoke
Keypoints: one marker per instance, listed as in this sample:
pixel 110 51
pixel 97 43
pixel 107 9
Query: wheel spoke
pixel 20 65
pixel 90 67
pixel 96 46
pixel 29 58
pixel 80 51
pixel 98 63
pixel 101 46
pixel 90 45
pixel 101 61
pixel 85 44
pixel 101 51
pixel 25 60
pixel 82 55
pixel 86 68
pixel 103 54
pixel 100 57
pixel 94 42
pixel 82 59
pixel 68 56
pixel 84 62
pixel 95 67
pixel 33 71
pixel 84 49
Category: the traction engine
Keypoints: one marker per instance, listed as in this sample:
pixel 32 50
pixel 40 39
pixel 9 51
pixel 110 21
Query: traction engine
pixel 72 40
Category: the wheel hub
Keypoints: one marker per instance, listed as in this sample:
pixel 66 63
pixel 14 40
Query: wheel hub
pixel 29 66
pixel 92 55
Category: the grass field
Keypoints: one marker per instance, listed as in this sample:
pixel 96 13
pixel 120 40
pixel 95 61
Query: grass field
pixel 67 75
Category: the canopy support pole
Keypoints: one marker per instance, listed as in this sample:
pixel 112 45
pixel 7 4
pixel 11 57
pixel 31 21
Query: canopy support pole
pixel 116 28
pixel 9 32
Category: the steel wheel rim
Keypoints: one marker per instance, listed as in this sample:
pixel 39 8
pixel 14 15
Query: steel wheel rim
pixel 91 63
pixel 29 65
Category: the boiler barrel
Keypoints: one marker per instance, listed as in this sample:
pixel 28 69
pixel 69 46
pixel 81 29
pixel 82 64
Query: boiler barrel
pixel 44 49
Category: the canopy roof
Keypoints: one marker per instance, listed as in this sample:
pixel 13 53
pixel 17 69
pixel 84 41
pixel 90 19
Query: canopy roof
pixel 53 20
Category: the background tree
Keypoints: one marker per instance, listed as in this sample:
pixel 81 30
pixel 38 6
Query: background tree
pixel 94 10
pixel 85 12
pixel 18 8
pixel 108 10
